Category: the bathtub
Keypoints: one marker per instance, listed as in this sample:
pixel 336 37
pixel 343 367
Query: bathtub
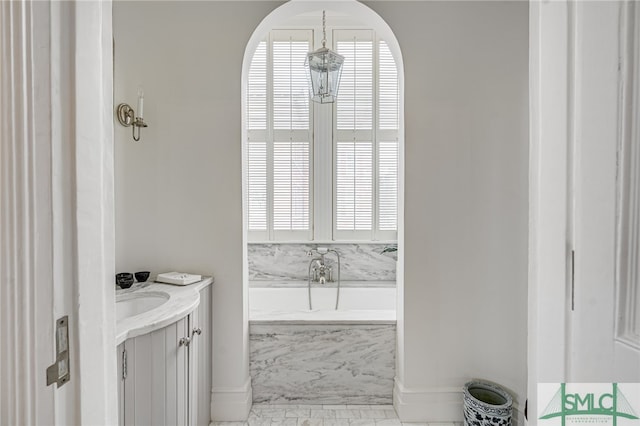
pixel 373 304
pixel 322 356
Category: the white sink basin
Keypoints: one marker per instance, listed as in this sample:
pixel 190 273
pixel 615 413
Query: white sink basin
pixel 129 305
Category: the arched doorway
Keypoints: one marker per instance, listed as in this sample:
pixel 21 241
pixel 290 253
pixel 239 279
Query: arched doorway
pixel 367 17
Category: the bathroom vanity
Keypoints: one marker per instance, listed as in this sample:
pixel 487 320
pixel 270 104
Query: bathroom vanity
pixel 164 338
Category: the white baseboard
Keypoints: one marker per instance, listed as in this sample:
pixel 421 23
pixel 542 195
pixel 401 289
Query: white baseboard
pixel 231 404
pixel 427 405
pixel 435 405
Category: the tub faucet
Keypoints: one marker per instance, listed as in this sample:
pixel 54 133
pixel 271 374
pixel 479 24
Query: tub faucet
pixel 321 272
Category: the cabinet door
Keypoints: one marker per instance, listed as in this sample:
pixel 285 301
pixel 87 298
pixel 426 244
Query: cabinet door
pixel 120 356
pixel 156 387
pixel 195 333
pixel 202 360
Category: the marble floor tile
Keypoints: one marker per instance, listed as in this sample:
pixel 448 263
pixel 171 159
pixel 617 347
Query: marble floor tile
pixel 230 423
pixel 287 421
pixel 297 412
pixel 336 422
pixel 310 422
pixel 362 422
pixel 348 414
pixel 390 414
pixel 373 414
pixel 323 415
pixel 259 421
pixel 271 412
pixel 388 422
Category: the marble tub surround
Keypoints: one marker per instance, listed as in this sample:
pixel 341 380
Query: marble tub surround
pixel 182 300
pixel 289 262
pixel 322 363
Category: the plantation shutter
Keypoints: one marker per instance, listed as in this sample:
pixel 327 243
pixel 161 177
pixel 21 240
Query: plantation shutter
pixel 354 143
pixel 256 191
pixel 354 135
pixel 291 133
pixel 360 144
pixel 387 136
pixel 388 91
pixel 279 139
pixel 366 139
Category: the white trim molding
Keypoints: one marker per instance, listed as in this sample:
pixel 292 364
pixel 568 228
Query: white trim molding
pixel 231 404
pixel 549 116
pixel 430 405
pixel 444 404
pixel 94 210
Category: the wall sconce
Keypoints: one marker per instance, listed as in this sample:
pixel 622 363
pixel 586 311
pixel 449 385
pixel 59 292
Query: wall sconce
pixel 127 116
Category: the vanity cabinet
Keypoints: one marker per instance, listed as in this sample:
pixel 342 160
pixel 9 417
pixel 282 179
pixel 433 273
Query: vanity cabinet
pixel 165 375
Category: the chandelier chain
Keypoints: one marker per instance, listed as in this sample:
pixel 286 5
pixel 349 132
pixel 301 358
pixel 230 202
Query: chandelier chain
pixel 324 29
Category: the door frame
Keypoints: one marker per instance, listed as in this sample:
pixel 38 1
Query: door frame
pixel 550 123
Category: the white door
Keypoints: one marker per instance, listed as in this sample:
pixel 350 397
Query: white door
pixel 56 214
pixel 604 319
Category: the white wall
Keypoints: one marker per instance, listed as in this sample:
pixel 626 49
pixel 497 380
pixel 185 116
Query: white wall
pixel 178 191
pixel 466 162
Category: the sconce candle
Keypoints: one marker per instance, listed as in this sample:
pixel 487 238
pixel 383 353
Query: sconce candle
pixel 140 102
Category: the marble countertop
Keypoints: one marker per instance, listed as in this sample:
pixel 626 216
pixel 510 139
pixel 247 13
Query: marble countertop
pixel 182 301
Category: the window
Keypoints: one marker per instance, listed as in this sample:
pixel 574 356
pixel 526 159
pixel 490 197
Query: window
pixel 356 138
pixel 279 139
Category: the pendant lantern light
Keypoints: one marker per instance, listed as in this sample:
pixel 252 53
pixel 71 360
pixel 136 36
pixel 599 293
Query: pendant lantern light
pixel 325 68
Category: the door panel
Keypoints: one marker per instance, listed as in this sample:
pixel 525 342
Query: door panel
pixel 598 226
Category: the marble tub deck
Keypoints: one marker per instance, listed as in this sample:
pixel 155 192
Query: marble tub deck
pixel 324 415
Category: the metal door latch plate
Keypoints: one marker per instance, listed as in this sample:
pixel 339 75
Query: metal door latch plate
pixel 58 372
